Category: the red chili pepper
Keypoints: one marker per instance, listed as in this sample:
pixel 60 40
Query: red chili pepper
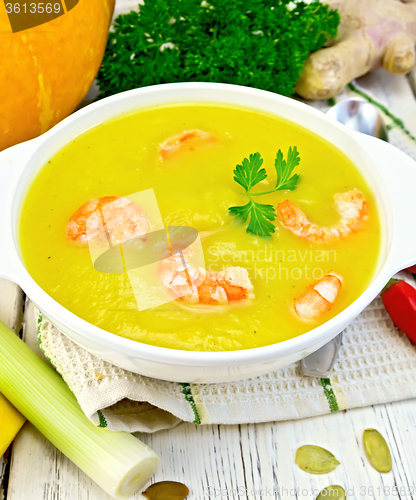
pixel 411 269
pixel 399 299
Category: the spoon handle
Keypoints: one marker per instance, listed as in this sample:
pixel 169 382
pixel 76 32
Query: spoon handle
pixel 321 362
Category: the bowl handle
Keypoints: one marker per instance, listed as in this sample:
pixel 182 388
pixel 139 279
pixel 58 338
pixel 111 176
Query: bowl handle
pixel 12 163
pixel 399 173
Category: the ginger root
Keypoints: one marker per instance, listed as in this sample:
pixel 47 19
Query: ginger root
pixel 372 33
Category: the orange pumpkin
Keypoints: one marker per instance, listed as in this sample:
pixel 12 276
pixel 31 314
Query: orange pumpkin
pixel 46 71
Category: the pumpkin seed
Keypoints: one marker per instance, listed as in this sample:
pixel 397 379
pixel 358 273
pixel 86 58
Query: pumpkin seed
pixel 378 451
pixel 315 460
pixel 166 490
pixel 334 491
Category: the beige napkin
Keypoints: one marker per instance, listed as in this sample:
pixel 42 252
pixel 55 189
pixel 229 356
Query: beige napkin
pixel 376 364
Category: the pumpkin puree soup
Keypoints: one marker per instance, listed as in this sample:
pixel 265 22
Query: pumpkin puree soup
pixel 194 186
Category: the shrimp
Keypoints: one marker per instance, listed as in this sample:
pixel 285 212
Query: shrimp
pixel 319 297
pixel 197 286
pixel 230 285
pixel 178 277
pixel 121 218
pixel 190 138
pixel 351 205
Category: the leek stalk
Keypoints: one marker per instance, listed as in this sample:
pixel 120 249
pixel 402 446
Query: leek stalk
pixel 116 461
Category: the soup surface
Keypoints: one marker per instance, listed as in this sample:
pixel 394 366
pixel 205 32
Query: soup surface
pixel 195 187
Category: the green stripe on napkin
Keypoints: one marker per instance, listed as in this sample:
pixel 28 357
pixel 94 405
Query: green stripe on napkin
pixel 187 392
pixel 330 395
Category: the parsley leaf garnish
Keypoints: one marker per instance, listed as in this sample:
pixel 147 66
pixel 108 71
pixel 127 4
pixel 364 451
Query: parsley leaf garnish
pixel 249 174
pixel 284 169
pixel 260 217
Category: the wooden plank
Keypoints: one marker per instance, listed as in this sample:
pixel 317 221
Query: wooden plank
pixel 125 6
pixel 11 312
pixel 395 91
pixel 412 80
pixel 4 462
pixel 241 461
pixel 11 304
pixel 30 329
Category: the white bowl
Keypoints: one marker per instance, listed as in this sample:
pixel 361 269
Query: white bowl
pixel 390 173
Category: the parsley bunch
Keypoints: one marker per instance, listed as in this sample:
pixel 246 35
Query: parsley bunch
pixel 257 43
pixel 249 174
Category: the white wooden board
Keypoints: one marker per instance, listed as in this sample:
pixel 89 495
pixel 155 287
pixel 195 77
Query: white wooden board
pixel 396 92
pixel 412 80
pixel 11 305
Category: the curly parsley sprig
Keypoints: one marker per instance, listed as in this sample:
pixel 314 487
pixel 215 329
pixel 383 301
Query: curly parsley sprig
pixel 249 174
pixel 256 43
